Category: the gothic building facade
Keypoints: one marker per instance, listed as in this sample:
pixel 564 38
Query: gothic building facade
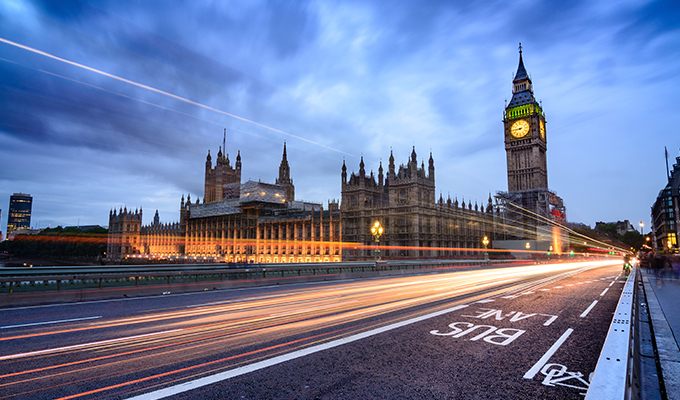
pixel 529 205
pixel 416 225
pixel 251 222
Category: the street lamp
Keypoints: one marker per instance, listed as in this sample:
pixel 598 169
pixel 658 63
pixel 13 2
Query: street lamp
pixel 377 231
pixel 527 246
pixel 485 243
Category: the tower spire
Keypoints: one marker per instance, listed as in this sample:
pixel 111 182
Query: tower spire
pixel 224 140
pixel 521 71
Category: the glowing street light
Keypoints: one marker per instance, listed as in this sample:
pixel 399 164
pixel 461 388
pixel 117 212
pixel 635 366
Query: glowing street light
pixel 485 243
pixel 377 231
pixel 527 246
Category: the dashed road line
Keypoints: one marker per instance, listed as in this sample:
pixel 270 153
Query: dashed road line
pixel 590 307
pixel 485 301
pixel 604 291
pixel 558 287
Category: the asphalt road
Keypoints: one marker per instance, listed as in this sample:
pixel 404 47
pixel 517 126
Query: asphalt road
pixel 527 331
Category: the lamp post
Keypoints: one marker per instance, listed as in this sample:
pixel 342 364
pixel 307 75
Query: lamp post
pixel 377 231
pixel 485 243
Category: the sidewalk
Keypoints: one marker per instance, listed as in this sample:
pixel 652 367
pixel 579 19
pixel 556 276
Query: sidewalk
pixel 662 289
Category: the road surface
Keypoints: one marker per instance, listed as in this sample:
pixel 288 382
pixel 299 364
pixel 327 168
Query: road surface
pixel 514 333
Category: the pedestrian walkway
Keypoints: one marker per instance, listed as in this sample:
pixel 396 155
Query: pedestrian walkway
pixel 662 288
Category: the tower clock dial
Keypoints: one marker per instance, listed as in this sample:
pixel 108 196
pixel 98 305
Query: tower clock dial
pixel 519 128
pixel 541 127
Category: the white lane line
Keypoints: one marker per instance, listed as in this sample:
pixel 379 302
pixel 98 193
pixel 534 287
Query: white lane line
pixel 546 357
pixel 544 290
pixel 80 346
pixel 528 293
pixel 485 301
pixel 604 291
pixel 558 287
pixel 590 307
pixel 613 282
pixel 222 376
pixel 509 297
pixel 49 322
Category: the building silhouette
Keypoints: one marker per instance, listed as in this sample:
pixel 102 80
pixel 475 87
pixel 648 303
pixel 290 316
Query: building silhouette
pixel 529 205
pixel 666 212
pixel 19 214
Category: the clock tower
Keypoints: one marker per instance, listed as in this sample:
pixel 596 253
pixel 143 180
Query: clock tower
pixel 525 136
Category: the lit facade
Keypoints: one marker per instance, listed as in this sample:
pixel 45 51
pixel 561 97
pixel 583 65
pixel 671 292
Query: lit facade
pixel 666 213
pixel 416 225
pixel 19 215
pixel 251 222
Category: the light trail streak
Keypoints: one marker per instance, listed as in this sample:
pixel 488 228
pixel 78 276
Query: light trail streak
pixel 166 93
pixel 310 316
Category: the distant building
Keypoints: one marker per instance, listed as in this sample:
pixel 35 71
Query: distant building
pixel 19 215
pixel 529 205
pixel 236 222
pixel 416 225
pixel 620 227
pixel 666 213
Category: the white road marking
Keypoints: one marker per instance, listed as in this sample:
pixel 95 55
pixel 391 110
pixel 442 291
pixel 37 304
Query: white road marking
pixel 222 376
pixel 558 287
pixel 604 291
pixel 544 290
pixel 590 307
pixel 485 301
pixel 527 293
pixel 613 282
pixel 546 357
pixel 509 297
pixel 80 346
pixel 49 322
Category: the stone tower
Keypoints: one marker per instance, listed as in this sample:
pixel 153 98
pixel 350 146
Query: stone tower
pixel 222 181
pixel 284 177
pixel 525 136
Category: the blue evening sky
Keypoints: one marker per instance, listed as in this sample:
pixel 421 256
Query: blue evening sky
pixel 335 79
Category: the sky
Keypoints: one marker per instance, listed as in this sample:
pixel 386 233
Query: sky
pixel 335 80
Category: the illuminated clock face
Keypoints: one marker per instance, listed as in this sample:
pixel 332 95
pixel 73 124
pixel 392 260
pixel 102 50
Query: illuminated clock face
pixel 541 126
pixel 519 128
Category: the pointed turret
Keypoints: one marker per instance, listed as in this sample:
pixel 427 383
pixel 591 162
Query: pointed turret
pixel 381 178
pixel 284 176
pixel 344 172
pixel 414 157
pixel 430 169
pixel 156 218
pixel 362 170
pixel 238 159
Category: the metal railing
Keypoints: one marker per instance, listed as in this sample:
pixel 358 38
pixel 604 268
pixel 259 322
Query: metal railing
pixel 60 278
pixel 613 375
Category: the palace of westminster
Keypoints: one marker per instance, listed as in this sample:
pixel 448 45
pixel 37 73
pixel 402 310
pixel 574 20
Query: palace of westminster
pixel 263 222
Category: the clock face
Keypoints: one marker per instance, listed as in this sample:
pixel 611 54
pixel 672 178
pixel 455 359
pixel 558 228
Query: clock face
pixel 542 129
pixel 519 128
